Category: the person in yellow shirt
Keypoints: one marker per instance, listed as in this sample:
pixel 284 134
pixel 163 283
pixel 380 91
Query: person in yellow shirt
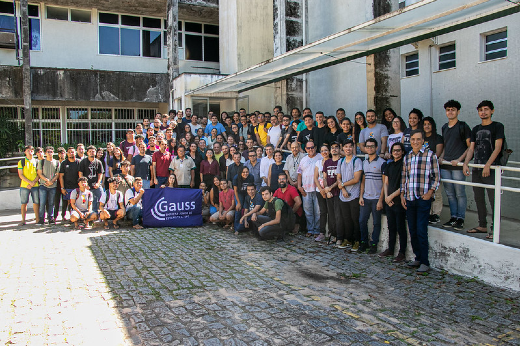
pixel 29 183
pixel 261 130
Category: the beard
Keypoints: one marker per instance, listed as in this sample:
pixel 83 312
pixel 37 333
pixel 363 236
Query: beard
pixel 282 185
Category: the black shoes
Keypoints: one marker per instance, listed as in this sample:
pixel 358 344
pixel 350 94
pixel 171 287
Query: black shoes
pixel 434 218
pixel 451 222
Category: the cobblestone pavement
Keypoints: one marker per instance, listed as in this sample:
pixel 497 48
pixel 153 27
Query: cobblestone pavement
pixel 205 286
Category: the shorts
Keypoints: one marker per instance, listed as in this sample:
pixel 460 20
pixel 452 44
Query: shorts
pixel 66 197
pixel 112 213
pixel 25 192
pixel 230 213
pixel 87 214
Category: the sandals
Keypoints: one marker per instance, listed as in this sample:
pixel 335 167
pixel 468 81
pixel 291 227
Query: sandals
pixel 23 223
pixel 107 226
pixel 476 230
pixel 138 227
pixel 489 236
pixel 116 226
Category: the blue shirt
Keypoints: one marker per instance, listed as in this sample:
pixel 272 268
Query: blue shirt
pixel 220 128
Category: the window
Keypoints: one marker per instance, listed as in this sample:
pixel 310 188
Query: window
pixel 58 13
pixel 201 41
pixel 62 13
pixel 447 57
pixel 8 22
pixel 34 27
pixel 81 16
pixel 130 35
pixel 7 19
pixel 412 65
pixel 495 45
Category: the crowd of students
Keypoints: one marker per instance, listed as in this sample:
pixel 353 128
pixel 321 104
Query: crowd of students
pixel 337 175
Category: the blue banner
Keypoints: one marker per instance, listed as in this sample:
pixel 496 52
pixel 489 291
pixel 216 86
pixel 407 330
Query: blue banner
pixel 170 207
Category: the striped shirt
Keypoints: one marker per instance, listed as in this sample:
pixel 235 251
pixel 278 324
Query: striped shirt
pixel 420 174
pixel 373 178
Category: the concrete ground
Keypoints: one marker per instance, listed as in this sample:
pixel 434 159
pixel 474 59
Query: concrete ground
pixel 205 286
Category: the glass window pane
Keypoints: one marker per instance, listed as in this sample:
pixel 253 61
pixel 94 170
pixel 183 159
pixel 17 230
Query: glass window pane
pixel 108 40
pixel 446 49
pixel 152 43
pixel 34 38
pixel 192 27
pixel 496 55
pixel 447 65
pixel 180 39
pixel 179 25
pixel 33 10
pixel 497 45
pixel 130 42
pixel 497 36
pixel 80 16
pixel 193 47
pixel 6 7
pixel 211 49
pixel 412 72
pixel 130 20
pixel 7 23
pixel 412 57
pixel 109 18
pixel 77 114
pixel 151 22
pixel 211 29
pixel 448 56
pixel 59 13
pixel 50 114
pixel 101 114
pixel 413 64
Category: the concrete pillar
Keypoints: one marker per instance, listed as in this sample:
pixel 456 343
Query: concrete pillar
pixel 26 72
pixel 383 75
pixel 172 13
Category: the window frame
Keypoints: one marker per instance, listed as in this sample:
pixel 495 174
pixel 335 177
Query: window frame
pixel 439 55
pixel 69 14
pixel 484 44
pixel 404 62
pixel 203 34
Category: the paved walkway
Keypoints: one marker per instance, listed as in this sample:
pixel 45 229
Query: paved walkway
pixel 205 286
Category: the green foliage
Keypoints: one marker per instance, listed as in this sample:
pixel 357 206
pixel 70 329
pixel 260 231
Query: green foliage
pixel 11 136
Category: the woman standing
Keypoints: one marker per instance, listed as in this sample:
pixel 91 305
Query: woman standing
pixel 321 192
pixel 274 170
pixel 396 134
pixel 211 139
pixel 414 121
pixel 209 168
pixel 114 167
pixel 360 124
pixel 333 130
pixel 197 158
pixel 171 182
pixel 109 154
pixel 347 131
pixel 435 143
pixel 388 115
pixel 395 212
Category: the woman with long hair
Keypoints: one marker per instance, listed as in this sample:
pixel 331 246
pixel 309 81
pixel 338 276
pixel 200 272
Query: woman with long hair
pixel 388 115
pixel 321 193
pixel 359 124
pixel 435 143
pixel 195 155
pixel 109 154
pixel 209 168
pixel 115 163
pixel 189 138
pixel 333 130
pixel 395 134
pixel 240 183
pixel 274 170
pixel 211 139
pixel 214 190
pixel 171 182
pixel 347 132
pixel 414 121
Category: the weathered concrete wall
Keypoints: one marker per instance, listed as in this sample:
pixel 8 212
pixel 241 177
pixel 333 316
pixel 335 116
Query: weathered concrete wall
pixel 86 85
pixel 195 11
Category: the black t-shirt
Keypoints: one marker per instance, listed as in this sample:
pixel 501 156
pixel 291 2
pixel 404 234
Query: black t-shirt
pixel 250 204
pixel 432 142
pixel 70 173
pixel 343 137
pixel 454 144
pixel 406 140
pixel 305 135
pixel 91 170
pixel 484 138
pixel 242 190
pixel 319 135
pixel 331 137
pixel 393 170
pixel 232 170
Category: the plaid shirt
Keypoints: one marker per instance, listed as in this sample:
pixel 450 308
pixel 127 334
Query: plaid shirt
pixel 420 174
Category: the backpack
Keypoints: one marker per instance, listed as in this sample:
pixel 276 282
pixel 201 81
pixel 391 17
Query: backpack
pixel 107 194
pixel 462 133
pixel 78 191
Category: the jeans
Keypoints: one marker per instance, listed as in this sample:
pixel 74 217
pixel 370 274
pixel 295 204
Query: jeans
pixel 417 213
pixel 134 213
pixel 370 207
pixel 238 214
pixel 396 219
pixel 161 181
pixel 25 193
pixel 146 184
pixel 456 192
pixel 312 212
pixel 350 215
pixel 96 193
pixel 241 227
pixel 335 218
pixel 47 200
pixel 58 199
pixel 480 196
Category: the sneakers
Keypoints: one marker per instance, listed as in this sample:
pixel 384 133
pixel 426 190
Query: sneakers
pixel 332 240
pixel 355 247
pixel 459 225
pixel 413 264
pixel 338 244
pixel 373 249
pixel 386 253
pixel 345 244
pixel 451 222
pixel 362 247
pixel 52 222
pixel 399 258
pixel 434 218
pixel 321 237
pixel 423 268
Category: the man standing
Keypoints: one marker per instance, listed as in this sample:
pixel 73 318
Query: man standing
pixel 141 165
pixel 371 197
pixel 374 130
pixel 81 202
pixel 128 146
pixel 111 204
pixel 487 140
pixel 48 170
pixel 184 168
pixel 124 179
pixel 215 125
pixel 419 181
pixel 29 183
pixel 456 135
pixel 80 151
pixel 69 174
pixel 93 170
pixel 254 167
pixel 134 203
pixel 194 124
pixel 266 162
pixel 261 130
pixel 235 168
pixel 331 191
pixel 289 194
pixel 245 131
pixel 275 131
pixel 188 118
pixel 291 164
pixel 320 130
pixel 307 132
pixel 160 165
pixel 340 115
pixel 307 188
pixel 58 196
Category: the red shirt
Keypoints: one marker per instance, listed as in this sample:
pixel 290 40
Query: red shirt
pixel 290 194
pixel 162 162
pixel 226 198
pixel 210 168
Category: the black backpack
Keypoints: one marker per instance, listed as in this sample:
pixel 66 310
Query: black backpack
pixel 504 153
pixel 288 217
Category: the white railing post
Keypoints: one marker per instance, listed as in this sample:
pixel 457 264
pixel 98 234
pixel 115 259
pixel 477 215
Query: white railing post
pixel 498 205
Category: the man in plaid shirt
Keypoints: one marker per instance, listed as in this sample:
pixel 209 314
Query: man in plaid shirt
pixel 419 181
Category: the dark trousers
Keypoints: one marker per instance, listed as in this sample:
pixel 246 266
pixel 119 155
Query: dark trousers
pixel 325 215
pixel 480 196
pixel 241 227
pixel 418 213
pixel 396 220
pixel 350 215
pixel 269 232
pixel 58 199
pixel 335 218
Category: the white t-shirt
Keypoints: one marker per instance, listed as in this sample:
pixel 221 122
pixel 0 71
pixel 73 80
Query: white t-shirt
pixel 264 168
pixel 306 169
pixel 129 195
pixel 319 164
pixel 113 201
pixel 274 134
pixel 194 128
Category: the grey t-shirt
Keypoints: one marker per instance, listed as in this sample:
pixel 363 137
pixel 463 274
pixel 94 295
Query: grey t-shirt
pixel 377 132
pixel 81 198
pixel 292 163
pixel 373 178
pixel 49 170
pixel 142 166
pixel 347 170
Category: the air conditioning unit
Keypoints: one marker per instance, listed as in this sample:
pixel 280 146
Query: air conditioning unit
pixel 7 40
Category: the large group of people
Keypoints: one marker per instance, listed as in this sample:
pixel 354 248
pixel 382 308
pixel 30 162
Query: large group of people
pixel 272 173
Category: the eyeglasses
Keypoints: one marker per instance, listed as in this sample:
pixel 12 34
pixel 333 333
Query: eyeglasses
pixel 310 147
